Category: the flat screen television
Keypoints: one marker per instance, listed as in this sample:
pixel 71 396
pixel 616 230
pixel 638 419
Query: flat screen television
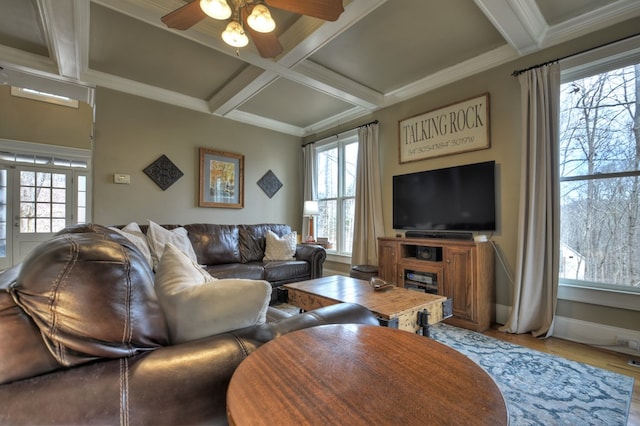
pixel 460 198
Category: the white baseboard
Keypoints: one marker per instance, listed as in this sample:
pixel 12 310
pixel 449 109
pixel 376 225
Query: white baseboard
pixel 595 334
pixel 588 333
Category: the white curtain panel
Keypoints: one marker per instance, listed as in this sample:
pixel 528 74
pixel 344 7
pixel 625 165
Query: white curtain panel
pixel 369 224
pixel 308 183
pixel 536 279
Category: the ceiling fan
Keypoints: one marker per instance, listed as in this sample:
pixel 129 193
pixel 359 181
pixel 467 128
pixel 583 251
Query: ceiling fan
pixel 252 16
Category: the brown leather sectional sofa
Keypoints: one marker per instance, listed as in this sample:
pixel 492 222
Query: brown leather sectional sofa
pixel 83 340
pixel 236 251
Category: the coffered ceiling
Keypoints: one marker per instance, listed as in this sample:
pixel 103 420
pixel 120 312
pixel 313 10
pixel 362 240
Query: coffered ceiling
pixel 378 53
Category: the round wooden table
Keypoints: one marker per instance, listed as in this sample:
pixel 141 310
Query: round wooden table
pixel 361 375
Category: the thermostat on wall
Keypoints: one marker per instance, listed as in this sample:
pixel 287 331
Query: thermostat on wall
pixel 121 178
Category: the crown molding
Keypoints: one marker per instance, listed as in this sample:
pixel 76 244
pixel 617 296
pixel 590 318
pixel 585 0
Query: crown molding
pixel 592 21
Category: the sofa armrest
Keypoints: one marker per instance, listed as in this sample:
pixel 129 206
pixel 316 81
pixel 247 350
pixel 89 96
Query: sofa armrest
pixel 313 254
pixel 180 384
pixel 341 313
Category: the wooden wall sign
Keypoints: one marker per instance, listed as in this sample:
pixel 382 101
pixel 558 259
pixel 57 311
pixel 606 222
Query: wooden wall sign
pixel 456 128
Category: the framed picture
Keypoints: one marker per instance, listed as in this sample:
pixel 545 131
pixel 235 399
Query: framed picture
pixel 221 179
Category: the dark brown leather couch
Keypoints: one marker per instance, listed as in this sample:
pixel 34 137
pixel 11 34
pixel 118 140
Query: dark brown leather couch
pixel 83 340
pixel 236 251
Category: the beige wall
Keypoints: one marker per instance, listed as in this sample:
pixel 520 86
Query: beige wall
pixel 504 91
pixel 132 132
pixel 27 120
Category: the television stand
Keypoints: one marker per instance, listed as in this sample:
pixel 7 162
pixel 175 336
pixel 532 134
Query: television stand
pixel 460 270
pixel 440 235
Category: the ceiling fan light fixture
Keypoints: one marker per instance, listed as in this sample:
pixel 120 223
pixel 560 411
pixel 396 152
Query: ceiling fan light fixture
pixel 261 20
pixel 217 9
pixel 234 35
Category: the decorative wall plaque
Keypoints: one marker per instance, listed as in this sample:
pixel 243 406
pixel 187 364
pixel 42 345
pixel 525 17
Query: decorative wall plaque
pixel 270 184
pixel 163 172
pixel 461 127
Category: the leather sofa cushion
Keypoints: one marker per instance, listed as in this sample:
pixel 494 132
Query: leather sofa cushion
pixel 90 292
pixel 236 270
pixel 285 271
pixel 253 239
pixel 22 352
pixel 215 244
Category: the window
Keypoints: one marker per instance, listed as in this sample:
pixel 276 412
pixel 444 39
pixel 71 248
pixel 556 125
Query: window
pixel 42 201
pixel 43 97
pixel 42 190
pixel 599 173
pixel 335 165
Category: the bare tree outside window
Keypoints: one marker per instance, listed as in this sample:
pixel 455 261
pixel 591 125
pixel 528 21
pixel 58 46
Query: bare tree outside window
pixel 42 201
pixel 336 165
pixel 599 163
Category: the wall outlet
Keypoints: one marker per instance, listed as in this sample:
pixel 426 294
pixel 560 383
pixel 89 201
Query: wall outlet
pixel 624 342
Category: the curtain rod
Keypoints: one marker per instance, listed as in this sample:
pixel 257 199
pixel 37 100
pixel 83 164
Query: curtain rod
pixel 347 130
pixel 518 72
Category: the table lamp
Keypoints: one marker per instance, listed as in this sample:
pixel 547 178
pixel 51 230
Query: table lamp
pixel 310 210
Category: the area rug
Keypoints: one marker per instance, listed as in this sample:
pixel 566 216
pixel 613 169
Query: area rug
pixel 544 389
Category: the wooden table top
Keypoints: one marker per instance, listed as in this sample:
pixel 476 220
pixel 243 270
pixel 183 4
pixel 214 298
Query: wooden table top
pixel 361 375
pixel 387 303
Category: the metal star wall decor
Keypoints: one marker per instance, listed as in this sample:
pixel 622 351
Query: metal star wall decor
pixel 163 172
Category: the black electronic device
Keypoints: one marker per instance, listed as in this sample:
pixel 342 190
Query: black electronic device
pixel 460 198
pixel 442 235
pixel 434 254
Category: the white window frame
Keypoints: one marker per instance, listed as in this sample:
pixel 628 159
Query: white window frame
pixel 339 141
pixel 593 62
pixel 53 152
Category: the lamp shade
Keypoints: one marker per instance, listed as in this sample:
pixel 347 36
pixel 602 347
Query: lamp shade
pixel 310 208
pixel 217 9
pixel 234 35
pixel 261 20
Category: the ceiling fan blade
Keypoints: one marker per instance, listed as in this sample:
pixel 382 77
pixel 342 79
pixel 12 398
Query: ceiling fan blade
pixel 184 17
pixel 267 44
pixel 329 10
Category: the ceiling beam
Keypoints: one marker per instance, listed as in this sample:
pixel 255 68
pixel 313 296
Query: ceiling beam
pixel 66 24
pixel 305 36
pixel 519 21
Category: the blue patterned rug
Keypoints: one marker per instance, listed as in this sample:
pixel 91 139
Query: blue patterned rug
pixel 544 389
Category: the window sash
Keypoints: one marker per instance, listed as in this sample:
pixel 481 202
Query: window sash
pixel 333 202
pixel 573 70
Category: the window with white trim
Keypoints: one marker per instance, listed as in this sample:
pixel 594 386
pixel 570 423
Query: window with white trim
pixel 335 165
pixel 42 190
pixel 599 160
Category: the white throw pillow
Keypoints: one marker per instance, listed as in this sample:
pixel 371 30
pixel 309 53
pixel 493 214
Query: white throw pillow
pixel 197 305
pixel 280 248
pixel 134 234
pixel 157 236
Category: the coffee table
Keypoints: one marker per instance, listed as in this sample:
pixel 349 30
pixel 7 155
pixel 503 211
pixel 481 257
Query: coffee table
pixel 361 375
pixel 395 307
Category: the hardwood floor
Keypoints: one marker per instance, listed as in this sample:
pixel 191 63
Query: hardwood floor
pixel 597 357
